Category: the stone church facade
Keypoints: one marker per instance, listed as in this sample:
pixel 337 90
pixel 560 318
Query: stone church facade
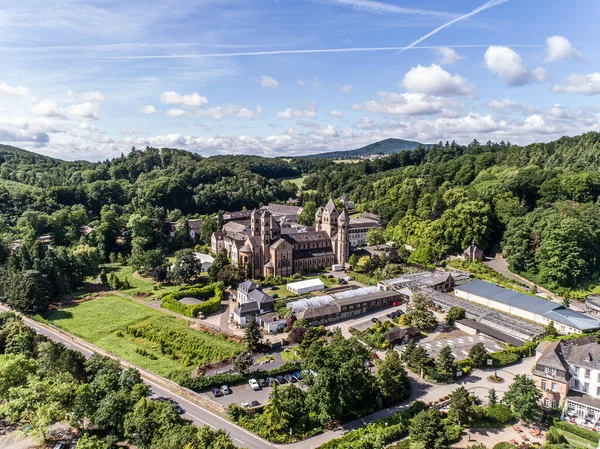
pixel 268 247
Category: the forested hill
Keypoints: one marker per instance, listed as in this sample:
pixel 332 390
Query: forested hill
pixel 538 203
pixel 387 146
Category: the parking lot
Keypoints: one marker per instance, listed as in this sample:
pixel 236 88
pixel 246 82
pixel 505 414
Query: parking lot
pixel 244 393
pixel 459 342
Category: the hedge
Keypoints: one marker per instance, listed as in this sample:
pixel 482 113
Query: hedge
pixel 205 383
pixel 512 354
pixel 586 434
pixel 214 291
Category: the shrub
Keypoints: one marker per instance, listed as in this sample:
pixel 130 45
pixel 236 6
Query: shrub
pixel 453 432
pixel 214 291
pixel 465 365
pixel 586 434
pixel 554 437
pixel 499 413
pixel 504 445
pixel 504 358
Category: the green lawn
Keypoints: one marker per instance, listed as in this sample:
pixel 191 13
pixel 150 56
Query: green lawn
pixel 139 285
pixel 104 322
pixel 282 291
pixel 290 355
pixel 299 181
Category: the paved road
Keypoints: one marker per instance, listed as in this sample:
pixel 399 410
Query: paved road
pixel 193 412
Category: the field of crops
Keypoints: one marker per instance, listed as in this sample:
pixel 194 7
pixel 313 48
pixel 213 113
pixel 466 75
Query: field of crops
pixel 144 336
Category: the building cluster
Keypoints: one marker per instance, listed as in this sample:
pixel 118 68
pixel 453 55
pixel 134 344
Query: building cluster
pixel 568 373
pixel 270 241
pixel 323 310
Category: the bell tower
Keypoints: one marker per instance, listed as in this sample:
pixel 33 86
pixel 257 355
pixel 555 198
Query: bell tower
pixel 343 240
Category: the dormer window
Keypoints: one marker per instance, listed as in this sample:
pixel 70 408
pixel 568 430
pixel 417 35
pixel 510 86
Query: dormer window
pixel 588 358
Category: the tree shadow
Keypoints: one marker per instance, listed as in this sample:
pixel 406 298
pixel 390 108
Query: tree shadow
pixel 61 315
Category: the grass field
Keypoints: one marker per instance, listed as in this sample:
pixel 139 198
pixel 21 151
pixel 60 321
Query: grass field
pixel 299 181
pixel 290 355
pixel 104 322
pixel 139 285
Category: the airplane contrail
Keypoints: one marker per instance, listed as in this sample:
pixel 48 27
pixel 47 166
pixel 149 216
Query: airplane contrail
pixel 377 6
pixel 486 5
pixel 293 52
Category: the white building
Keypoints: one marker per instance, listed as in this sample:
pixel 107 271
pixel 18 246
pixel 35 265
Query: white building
pixel 531 308
pixel 308 285
pixel 358 231
pixel 206 260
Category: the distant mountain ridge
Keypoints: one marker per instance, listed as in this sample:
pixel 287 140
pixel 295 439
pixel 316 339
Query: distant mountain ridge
pixel 387 146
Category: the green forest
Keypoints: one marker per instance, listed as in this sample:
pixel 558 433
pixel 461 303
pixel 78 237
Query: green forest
pixel 536 203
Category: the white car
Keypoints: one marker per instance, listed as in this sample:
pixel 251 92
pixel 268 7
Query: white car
pixel 245 404
pixel 225 389
pixel 254 384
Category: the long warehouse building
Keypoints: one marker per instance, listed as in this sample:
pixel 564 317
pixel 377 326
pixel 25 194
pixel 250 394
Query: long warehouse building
pixel 531 308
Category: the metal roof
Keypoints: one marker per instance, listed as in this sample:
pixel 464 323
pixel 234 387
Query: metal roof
pixel 573 319
pixel 307 283
pixel 367 297
pixel 494 292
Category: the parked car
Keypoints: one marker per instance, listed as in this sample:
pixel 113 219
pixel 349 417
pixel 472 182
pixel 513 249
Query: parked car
pixel 274 296
pixel 399 313
pixel 61 445
pixel 216 392
pixel 245 404
pixel 342 282
pixel 254 384
pixel 280 380
pixel 263 383
pixel 374 320
pixel 348 278
pixel 255 404
pixel 274 288
pixel 291 379
pixel 225 389
pixel 270 381
pixel 396 303
pixel 297 375
pixel 391 315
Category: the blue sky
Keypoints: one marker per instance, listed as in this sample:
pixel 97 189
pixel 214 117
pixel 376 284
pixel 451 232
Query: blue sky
pixel 91 79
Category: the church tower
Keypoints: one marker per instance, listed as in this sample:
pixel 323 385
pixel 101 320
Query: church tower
pixel 319 219
pixel 330 218
pixel 265 235
pixel 343 240
pixel 255 223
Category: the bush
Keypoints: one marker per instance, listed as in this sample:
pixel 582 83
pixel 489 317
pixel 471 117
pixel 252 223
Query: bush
pixel 453 432
pixel 586 434
pixel 504 445
pixel 504 358
pixel 499 413
pixel 214 291
pixel 465 365
pixel 554 437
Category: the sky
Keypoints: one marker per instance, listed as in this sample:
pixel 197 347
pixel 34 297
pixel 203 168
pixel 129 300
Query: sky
pixel 91 79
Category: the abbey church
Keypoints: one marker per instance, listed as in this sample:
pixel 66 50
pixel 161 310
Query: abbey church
pixel 270 243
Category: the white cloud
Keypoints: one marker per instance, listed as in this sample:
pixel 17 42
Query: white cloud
pixel 259 109
pixel 12 133
pixel 346 88
pixel 175 112
pixel 330 131
pixel 335 114
pixel 448 56
pixel 228 110
pixel 435 80
pixel 386 8
pixel 581 84
pixel 504 104
pixel 13 91
pixel 148 110
pixel 308 111
pixel 91 95
pixel 409 104
pixel 267 82
pixel 46 108
pixel 87 111
pixel 509 66
pixel 301 83
pixel 193 100
pixel 559 48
